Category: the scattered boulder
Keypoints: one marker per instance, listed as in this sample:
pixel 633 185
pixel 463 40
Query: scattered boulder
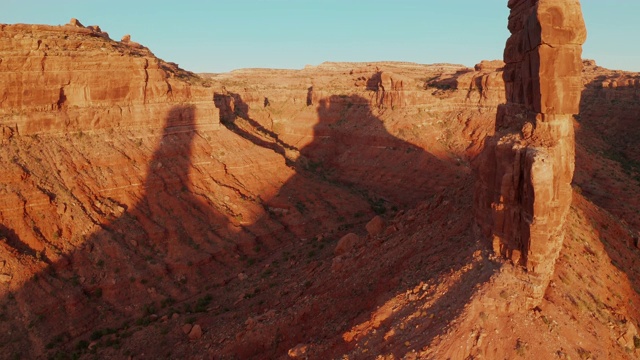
pixel 337 263
pixel 346 244
pixel 251 323
pixel 628 338
pixel 126 38
pixel 97 31
pixel 390 230
pixel 186 328
pixel 527 130
pixel 196 332
pixel 299 351
pixel 375 226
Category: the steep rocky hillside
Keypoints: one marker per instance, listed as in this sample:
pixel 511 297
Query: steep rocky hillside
pixel 149 212
pixel 130 184
pixel 607 131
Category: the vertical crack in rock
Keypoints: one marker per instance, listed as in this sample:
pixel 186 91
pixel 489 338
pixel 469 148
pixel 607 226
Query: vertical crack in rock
pixel 146 81
pixel 43 61
pixel 525 171
pixel 62 98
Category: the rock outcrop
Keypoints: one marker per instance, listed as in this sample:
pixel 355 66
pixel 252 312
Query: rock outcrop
pixel 525 172
pixel 74 78
pixel 388 88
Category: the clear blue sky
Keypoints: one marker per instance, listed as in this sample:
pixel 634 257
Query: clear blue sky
pixel 221 35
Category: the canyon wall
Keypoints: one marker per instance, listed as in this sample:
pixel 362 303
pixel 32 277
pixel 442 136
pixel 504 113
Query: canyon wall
pixel 121 186
pixel 73 78
pixel 82 115
pixel 524 189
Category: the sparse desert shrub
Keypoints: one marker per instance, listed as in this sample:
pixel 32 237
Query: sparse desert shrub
pixel 521 347
pixel 202 303
pixel 302 208
pixel 584 354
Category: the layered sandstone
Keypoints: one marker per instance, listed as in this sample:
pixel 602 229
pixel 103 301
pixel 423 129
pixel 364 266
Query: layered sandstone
pixel 525 172
pixel 73 78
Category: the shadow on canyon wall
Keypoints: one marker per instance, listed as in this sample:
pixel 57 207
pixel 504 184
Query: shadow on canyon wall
pixel 232 108
pixel 608 124
pixel 13 241
pixel 608 130
pixel 352 155
pixel 148 253
pixel 170 245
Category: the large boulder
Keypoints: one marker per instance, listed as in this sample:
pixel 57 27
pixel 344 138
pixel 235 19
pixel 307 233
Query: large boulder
pixel 346 244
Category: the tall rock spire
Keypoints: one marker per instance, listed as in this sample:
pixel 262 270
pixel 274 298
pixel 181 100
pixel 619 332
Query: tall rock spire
pixel 524 189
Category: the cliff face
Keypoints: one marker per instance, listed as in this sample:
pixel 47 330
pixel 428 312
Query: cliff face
pixel 72 78
pixel 524 191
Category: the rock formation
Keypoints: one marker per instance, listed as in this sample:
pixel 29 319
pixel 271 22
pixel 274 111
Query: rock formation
pixel 388 88
pixel 70 78
pixel 525 172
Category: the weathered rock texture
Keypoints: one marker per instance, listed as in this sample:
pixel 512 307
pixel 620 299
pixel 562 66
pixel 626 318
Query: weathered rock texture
pixel 72 78
pixel 524 192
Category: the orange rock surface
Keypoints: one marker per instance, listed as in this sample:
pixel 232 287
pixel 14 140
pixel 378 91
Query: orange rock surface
pixel 66 79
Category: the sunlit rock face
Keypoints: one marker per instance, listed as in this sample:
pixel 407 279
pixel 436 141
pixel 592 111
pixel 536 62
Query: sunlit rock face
pixel 73 78
pixel 525 172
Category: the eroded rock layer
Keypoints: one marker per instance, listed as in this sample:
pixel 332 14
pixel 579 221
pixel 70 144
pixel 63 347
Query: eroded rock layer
pixel 524 192
pixel 70 78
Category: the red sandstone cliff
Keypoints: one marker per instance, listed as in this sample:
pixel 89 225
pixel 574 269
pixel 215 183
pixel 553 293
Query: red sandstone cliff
pixel 71 78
